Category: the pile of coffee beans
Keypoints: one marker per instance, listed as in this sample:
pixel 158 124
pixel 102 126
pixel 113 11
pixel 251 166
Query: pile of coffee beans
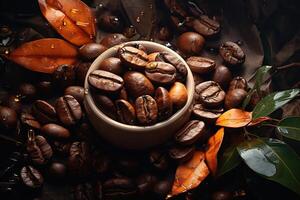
pixel 139 88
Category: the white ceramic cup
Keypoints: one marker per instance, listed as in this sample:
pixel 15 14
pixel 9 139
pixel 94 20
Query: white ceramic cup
pixel 137 137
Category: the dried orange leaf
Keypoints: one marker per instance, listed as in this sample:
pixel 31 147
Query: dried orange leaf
pixel 44 55
pixel 258 121
pixel 214 143
pixel 234 118
pixel 190 174
pixel 72 19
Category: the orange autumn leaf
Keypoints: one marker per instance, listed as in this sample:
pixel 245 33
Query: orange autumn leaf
pixel 258 121
pixel 44 55
pixel 214 143
pixel 72 19
pixel 190 174
pixel 234 118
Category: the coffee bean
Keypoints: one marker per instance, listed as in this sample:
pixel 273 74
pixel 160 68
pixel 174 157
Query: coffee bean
pixel 210 94
pixel 232 53
pixel 79 161
pixel 45 88
pixel 162 188
pixel 57 171
pixel 158 159
pixel 64 76
pixel 81 70
pixel 112 64
pixel 190 43
pixel 146 110
pixel 182 154
pixel 125 112
pixel 109 22
pixel 164 103
pixel 106 105
pixel 27 92
pixel 178 95
pixel 76 91
pixel 68 110
pixel 238 83
pixel 222 195
pixel 201 65
pixel 113 39
pixel 161 72
pixel 133 57
pixel 123 94
pixel 38 148
pixel 206 26
pixel 55 131
pixel 8 118
pixel 44 112
pixel 119 188
pixel 190 133
pixel 29 121
pixel 207 114
pixel 234 98
pixel 222 76
pixel 145 183
pixel 91 51
pixel 105 81
pixel 31 177
pixel 137 84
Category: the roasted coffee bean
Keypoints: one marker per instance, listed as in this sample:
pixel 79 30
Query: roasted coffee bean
pixel 76 91
pixel 119 188
pixel 86 191
pixel 210 94
pixel 44 112
pixel 162 188
pixel 64 76
pixel 206 26
pixel 145 183
pixel 44 88
pixel 232 53
pixel 164 103
pixel 190 133
pixel 161 72
pixel 112 64
pixel 109 22
pixel 113 39
pixel 8 118
pixel 57 171
pixel 55 131
pixel 79 161
pixel 222 76
pixel 38 148
pixel 91 51
pixel 137 84
pixel 68 110
pixel 206 114
pixel 159 159
pixel 129 31
pixel 178 94
pixel 234 98
pixel 125 112
pixel 238 83
pixel 123 94
pixel 133 57
pixel 182 154
pixel 106 105
pixel 190 43
pixel 14 102
pixel 164 33
pixel 29 121
pixel 201 65
pixel 81 70
pixel 146 110
pixel 31 177
pixel 27 92
pixel 222 195
pixel 105 81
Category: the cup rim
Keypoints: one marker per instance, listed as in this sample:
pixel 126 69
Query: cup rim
pixel 89 101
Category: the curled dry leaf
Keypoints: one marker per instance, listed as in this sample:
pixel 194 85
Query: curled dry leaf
pixel 190 174
pixel 72 19
pixel 234 118
pixel 258 121
pixel 44 55
pixel 214 143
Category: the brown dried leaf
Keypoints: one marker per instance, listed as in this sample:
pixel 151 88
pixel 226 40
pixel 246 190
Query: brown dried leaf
pixel 72 19
pixel 190 174
pixel 44 55
pixel 214 143
pixel 234 118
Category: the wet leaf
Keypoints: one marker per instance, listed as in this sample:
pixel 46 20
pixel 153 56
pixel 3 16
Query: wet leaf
pixel 289 128
pixel 259 120
pixel 228 160
pixel 190 174
pixel 44 55
pixel 273 101
pixel 214 143
pixel 274 160
pixel 72 19
pixel 234 118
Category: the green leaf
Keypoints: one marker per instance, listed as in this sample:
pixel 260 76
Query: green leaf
pixel 289 128
pixel 272 102
pixel 274 160
pixel 228 160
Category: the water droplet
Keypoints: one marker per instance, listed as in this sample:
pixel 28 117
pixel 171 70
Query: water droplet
pixel 115 36
pixel 64 23
pixel 239 42
pixel 52 46
pixel 79 23
pixel 86 91
pixel 6 52
pixel 138 19
pixel 74 10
